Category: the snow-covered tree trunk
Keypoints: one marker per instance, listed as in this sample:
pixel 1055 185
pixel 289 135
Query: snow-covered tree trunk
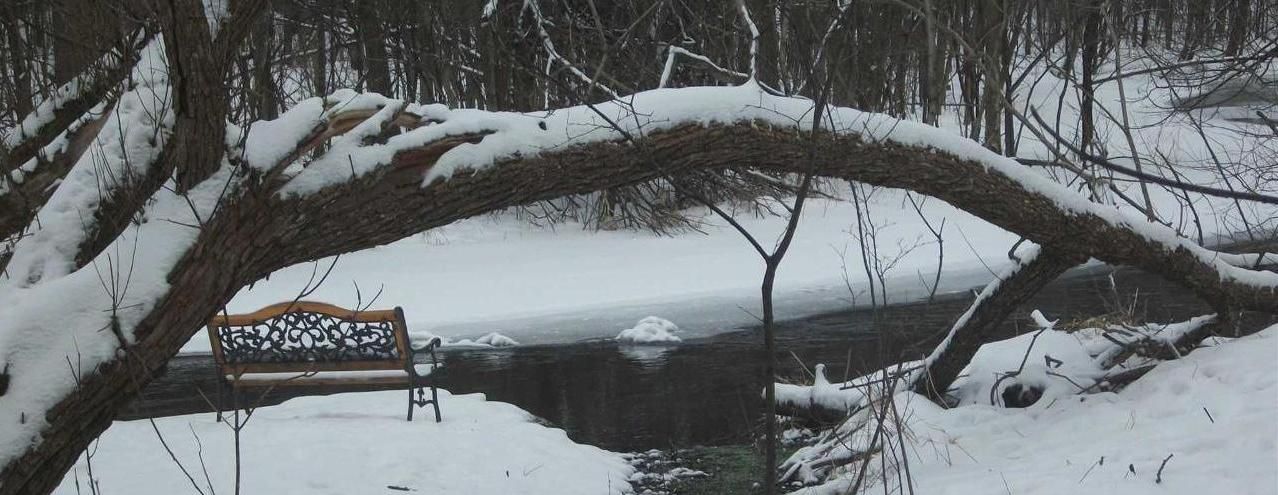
pixel 998 300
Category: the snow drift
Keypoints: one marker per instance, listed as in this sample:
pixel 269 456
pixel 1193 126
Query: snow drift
pixel 650 330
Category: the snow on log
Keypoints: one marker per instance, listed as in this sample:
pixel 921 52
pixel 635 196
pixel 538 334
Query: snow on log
pixel 831 402
pixel 125 147
pixel 26 188
pixel 68 102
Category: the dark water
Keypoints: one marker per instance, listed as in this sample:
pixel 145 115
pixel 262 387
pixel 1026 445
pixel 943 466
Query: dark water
pixel 706 391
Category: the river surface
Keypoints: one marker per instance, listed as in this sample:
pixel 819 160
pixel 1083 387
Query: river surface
pixel 705 391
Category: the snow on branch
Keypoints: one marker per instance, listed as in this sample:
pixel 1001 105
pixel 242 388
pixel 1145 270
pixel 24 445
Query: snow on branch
pixel 130 141
pixel 754 39
pixel 68 102
pixel 553 55
pixel 673 52
pixel 272 146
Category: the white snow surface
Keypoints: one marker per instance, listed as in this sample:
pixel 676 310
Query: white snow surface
pixel 355 444
pixel 1069 364
pixel 421 338
pixel 491 339
pixel 651 330
pixel 495 339
pixel 1212 411
pixel 845 396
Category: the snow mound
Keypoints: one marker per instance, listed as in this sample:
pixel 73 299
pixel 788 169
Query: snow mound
pixel 492 339
pixel 357 443
pixel 650 330
pixel 1201 424
pixel 1042 365
pixel 496 340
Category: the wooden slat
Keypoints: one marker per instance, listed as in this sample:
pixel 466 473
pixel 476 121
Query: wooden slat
pixel 302 307
pixel 215 344
pixel 401 338
pixel 306 382
pixel 311 366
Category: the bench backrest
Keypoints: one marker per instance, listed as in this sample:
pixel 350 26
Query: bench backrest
pixel 310 336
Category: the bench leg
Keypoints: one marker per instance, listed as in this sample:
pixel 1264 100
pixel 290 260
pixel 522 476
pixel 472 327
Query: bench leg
pixel 411 403
pixel 218 406
pixel 220 382
pixel 434 401
pixel 420 400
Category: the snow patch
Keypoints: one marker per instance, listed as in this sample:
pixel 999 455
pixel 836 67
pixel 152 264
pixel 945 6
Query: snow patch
pixel 1213 410
pixel 492 339
pixel 421 338
pixel 650 330
pixel 1054 364
pixel 355 444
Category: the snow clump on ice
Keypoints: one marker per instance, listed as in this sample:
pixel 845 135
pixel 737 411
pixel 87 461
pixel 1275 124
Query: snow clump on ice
pixel 650 330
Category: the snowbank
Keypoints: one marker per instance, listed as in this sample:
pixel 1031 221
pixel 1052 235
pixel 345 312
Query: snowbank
pixel 650 330
pixel 1212 411
pixel 495 339
pixel 357 443
pixel 1054 364
pixel 491 339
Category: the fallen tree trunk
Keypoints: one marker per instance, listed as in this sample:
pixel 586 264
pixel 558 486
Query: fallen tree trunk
pixel 973 328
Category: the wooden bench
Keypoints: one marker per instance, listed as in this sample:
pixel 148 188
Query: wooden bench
pixel 311 343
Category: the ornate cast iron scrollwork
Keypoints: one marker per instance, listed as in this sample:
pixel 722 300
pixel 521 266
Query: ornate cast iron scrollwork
pixel 305 337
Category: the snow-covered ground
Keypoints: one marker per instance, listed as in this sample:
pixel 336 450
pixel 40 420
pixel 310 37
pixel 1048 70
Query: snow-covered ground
pixel 1212 413
pixel 354 444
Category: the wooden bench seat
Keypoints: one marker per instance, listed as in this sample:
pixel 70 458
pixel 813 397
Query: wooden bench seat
pixel 305 343
pixel 370 377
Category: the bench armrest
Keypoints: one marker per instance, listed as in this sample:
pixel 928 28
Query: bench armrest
pixel 430 347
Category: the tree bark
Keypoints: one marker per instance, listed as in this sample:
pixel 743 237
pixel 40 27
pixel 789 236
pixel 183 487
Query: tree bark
pixel 84 30
pixel 1092 33
pixel 372 40
pixel 19 204
pixel 993 43
pixel 19 54
pixel 197 67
